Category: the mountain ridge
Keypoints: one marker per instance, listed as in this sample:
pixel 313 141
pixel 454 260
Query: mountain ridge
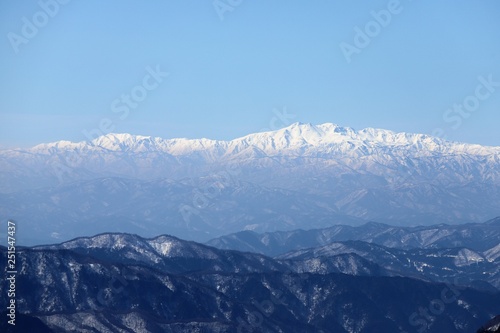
pixel 107 290
pixel 294 136
pixel 342 174
pixel 477 236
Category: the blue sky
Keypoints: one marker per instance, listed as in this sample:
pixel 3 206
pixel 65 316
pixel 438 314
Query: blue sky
pixel 230 72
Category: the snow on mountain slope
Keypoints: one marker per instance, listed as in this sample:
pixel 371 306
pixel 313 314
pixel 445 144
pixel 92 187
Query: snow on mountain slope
pixel 104 290
pixel 432 264
pixel 369 150
pixel 327 149
pixel 166 253
pixel 493 253
pixel 368 174
pixel 158 247
pixel 294 138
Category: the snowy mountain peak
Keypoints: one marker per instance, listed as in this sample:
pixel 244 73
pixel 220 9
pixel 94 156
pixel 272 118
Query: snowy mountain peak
pixel 124 141
pixel 329 133
pixel 310 130
pixel 308 137
pixel 371 174
pixel 299 138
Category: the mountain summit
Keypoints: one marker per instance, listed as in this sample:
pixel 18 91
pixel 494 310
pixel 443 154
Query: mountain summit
pixel 294 137
pixel 300 176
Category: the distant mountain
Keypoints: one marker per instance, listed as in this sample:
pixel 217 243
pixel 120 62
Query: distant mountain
pixel 125 283
pixel 346 263
pixel 159 206
pixel 434 253
pixel 476 236
pixel 461 265
pixel 339 172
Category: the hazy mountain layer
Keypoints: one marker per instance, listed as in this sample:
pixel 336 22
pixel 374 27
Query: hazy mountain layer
pixel 302 176
pixel 476 236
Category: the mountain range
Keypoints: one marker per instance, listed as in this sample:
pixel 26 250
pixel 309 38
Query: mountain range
pixel 475 236
pixel 432 253
pixel 302 176
pixel 126 283
pixel 310 228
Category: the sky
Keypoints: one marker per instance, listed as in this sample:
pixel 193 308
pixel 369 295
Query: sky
pixel 73 69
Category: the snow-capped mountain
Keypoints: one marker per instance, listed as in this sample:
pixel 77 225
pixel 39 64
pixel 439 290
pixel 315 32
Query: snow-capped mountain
pixel 307 175
pixel 321 148
pixel 306 139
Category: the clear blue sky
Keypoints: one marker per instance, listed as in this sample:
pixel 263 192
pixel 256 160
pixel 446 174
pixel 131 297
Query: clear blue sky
pixel 227 76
